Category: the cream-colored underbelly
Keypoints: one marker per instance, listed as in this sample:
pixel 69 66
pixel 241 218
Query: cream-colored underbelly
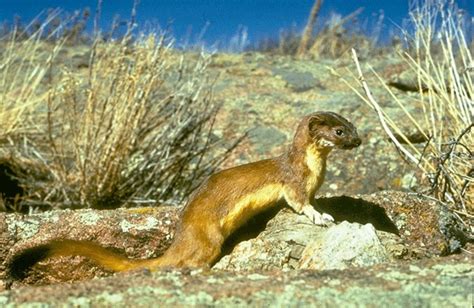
pixel 249 205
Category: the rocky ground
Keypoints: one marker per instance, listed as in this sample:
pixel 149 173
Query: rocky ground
pixel 386 247
pixel 420 284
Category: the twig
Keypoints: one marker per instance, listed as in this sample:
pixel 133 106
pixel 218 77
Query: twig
pixel 442 160
pixel 464 213
pixel 380 115
pixel 349 17
pixel 98 12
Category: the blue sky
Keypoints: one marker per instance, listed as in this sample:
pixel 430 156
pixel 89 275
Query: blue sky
pixel 262 18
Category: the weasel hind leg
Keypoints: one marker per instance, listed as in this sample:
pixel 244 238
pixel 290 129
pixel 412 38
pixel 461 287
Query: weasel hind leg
pixel 195 246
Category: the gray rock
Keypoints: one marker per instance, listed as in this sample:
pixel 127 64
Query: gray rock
pixel 278 246
pixel 344 245
pixel 297 81
pixel 433 283
pixel 266 138
pixel 292 241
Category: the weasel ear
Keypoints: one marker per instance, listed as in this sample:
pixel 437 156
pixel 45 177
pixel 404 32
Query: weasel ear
pixel 314 123
pixel 316 120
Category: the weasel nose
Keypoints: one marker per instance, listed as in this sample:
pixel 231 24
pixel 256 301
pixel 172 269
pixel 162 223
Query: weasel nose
pixel 357 141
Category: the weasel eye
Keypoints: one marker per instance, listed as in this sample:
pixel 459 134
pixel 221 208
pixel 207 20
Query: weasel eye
pixel 339 132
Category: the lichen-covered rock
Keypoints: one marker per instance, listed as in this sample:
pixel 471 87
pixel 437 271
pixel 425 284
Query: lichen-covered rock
pixel 265 137
pixel 275 247
pixel 292 241
pixel 137 233
pixel 407 227
pixel 344 245
pixel 297 81
pixel 425 224
pixel 430 283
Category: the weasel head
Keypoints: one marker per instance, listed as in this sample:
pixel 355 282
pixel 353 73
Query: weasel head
pixel 329 130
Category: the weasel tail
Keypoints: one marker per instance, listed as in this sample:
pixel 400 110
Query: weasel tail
pixel 22 262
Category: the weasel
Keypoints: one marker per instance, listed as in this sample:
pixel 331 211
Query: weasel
pixel 226 200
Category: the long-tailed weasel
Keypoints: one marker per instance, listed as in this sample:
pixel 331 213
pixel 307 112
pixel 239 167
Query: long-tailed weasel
pixel 226 200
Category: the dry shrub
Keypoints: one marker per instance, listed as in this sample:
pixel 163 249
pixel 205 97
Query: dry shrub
pixel 441 59
pixel 287 43
pixel 342 33
pixel 135 127
pixel 332 38
pixel 24 62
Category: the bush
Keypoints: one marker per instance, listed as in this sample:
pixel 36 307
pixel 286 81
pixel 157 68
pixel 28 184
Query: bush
pixel 332 38
pixel 135 126
pixel 439 55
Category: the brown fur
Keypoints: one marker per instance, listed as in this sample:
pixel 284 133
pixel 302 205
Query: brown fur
pixel 230 197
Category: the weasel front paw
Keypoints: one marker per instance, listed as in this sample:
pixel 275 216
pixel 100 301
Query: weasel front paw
pixel 316 217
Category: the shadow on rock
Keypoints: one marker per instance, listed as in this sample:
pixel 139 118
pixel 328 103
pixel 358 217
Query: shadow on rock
pixel 341 208
pixel 251 229
pixel 356 210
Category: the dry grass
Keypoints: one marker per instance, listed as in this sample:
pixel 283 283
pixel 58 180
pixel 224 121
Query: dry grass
pixel 22 71
pixel 136 126
pixel 441 59
pixel 331 39
pixel 340 35
pixel 309 28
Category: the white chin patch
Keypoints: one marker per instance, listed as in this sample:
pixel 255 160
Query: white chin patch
pixel 326 143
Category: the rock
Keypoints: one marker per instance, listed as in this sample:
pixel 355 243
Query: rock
pixel 275 247
pixel 265 137
pixel 297 81
pixel 285 237
pixel 344 245
pixel 137 233
pixel 292 241
pixel 404 227
pixel 80 61
pixel 426 283
pixel 427 226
